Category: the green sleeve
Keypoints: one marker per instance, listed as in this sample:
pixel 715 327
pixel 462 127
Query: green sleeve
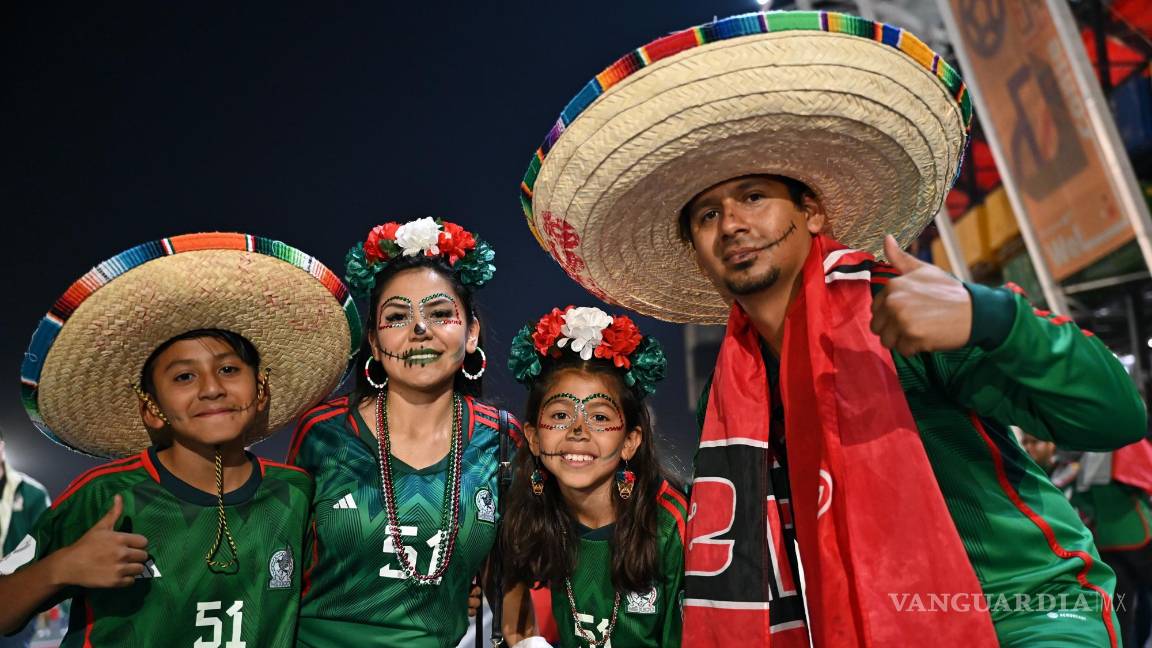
pixel 1042 373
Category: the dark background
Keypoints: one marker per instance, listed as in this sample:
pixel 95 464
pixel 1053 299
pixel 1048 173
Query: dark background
pixel 307 123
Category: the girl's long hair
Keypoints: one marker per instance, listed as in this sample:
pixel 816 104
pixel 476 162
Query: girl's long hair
pixel 539 533
pixel 460 384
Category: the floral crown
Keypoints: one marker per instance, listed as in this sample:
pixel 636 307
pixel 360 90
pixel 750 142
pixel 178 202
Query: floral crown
pixel 469 257
pixel 589 332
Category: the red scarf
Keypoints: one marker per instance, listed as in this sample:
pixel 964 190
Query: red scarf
pixel 1132 465
pixel 873 529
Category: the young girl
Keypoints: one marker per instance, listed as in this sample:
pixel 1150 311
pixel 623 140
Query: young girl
pixel 211 341
pixel 406 466
pixel 591 513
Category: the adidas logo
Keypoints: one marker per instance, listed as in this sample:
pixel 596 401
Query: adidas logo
pixel 345 502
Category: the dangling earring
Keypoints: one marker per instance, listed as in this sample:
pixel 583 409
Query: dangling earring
pixel 537 478
pixel 625 481
pixel 483 366
pixel 149 403
pixel 368 375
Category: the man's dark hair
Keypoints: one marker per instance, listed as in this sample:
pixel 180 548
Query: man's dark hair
pixel 796 192
pixel 240 344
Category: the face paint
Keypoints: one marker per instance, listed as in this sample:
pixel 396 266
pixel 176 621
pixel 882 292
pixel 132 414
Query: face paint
pixel 600 411
pixel 443 312
pixel 396 312
pixel 418 357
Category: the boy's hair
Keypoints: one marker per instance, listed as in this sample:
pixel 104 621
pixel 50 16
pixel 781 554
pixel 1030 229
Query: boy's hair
pixel 238 343
pixel 539 535
pixel 796 191
pixel 460 384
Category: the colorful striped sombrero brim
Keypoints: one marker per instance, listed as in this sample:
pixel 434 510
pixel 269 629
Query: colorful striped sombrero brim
pixel 864 113
pixel 90 348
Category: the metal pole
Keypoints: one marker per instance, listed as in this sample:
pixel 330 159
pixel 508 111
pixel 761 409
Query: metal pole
pixel 1135 341
pixel 952 246
pixel 1052 293
pixel 1102 65
pixel 1112 151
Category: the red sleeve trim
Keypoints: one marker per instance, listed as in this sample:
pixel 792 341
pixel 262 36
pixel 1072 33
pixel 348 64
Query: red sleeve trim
pixel 131 463
pixel 315 415
pixel 276 464
pixel 667 493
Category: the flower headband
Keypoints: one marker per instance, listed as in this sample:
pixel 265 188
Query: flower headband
pixel 589 332
pixel 469 257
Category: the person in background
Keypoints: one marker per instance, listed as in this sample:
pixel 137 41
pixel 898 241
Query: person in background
pixel 22 501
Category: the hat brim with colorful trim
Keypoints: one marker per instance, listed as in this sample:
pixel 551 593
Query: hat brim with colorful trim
pixel 864 113
pixel 90 348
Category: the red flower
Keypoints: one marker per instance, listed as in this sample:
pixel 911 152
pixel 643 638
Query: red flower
pixel 548 330
pixel 380 233
pixel 620 339
pixel 455 242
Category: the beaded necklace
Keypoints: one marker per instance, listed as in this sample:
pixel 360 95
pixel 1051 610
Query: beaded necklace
pixel 449 522
pixel 583 632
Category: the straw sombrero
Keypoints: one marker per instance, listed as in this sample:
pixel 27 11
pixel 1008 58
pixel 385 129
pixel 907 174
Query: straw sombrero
pixel 865 113
pixel 92 345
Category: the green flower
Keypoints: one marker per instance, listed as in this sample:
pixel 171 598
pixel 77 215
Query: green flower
pixel 476 268
pixel 359 273
pixel 649 366
pixel 523 359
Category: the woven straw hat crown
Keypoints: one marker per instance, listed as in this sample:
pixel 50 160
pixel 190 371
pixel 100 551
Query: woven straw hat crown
pixel 863 113
pixel 90 348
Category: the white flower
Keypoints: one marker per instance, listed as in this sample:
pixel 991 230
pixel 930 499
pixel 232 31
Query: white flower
pixel 585 328
pixel 420 235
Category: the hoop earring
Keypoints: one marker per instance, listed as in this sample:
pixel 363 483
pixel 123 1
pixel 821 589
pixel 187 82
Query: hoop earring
pixel 625 481
pixel 368 375
pixel 483 366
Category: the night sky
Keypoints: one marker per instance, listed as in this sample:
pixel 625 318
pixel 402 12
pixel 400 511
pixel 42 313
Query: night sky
pixel 304 123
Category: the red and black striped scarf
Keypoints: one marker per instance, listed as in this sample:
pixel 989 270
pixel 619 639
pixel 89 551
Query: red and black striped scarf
pixel 871 524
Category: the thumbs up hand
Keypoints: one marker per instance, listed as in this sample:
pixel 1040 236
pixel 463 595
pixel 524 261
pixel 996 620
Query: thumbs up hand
pixel 104 557
pixel 924 309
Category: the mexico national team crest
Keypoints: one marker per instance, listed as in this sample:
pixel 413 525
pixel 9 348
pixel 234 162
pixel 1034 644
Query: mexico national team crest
pixel 485 506
pixel 642 602
pixel 280 570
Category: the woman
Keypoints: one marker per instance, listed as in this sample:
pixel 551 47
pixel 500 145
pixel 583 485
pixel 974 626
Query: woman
pixel 406 465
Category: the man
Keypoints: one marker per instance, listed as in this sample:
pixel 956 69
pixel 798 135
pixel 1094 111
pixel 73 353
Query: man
pixel 860 408
pixel 22 500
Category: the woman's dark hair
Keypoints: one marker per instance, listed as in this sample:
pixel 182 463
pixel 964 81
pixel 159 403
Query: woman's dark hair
pixel 796 192
pixel 468 304
pixel 539 532
pixel 238 343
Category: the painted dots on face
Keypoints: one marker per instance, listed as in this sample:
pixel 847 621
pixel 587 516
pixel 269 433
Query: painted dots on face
pixel 601 413
pixel 439 309
pixel 395 312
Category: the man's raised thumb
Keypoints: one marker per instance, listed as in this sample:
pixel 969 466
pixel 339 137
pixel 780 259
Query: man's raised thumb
pixel 113 514
pixel 899 259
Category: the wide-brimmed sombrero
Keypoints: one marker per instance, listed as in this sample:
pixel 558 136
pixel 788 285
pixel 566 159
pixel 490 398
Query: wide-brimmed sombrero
pixel 864 113
pixel 90 348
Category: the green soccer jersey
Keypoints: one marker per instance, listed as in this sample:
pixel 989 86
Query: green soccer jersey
pixel 651 618
pixel 1118 514
pixel 1023 538
pixel 179 601
pixel 355 590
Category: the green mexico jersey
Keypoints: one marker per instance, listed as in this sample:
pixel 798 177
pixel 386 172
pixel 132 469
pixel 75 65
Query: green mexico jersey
pixel 355 590
pixel 179 601
pixel 1119 515
pixel 1024 540
pixel 1056 382
pixel 651 618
